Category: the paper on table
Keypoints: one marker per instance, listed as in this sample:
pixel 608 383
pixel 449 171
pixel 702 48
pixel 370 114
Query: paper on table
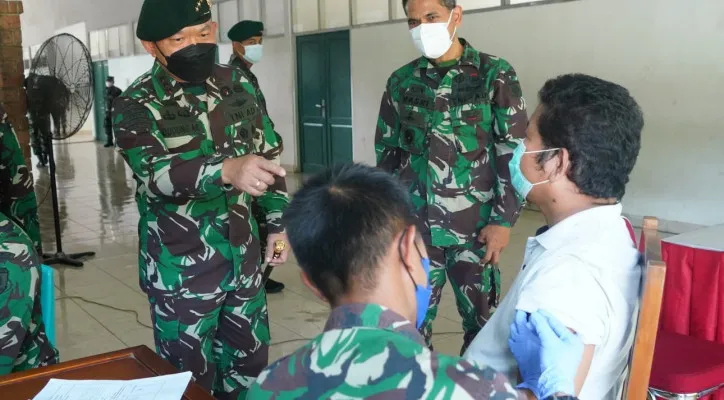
pixel 166 387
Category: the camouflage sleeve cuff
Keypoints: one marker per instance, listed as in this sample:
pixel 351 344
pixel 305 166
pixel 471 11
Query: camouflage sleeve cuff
pixel 507 221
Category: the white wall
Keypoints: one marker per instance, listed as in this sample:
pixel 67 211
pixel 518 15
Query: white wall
pixel 125 70
pixel 276 78
pixel 41 18
pixel 667 52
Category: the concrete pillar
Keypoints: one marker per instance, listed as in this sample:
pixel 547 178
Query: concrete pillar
pixel 12 93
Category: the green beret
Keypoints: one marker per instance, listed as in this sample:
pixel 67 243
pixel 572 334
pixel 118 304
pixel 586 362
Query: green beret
pixel 245 30
pixel 161 19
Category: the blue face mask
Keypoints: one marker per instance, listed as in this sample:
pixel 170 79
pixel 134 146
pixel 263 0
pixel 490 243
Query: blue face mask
pixel 520 183
pixel 422 292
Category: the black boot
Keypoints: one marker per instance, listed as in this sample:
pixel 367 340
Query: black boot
pixel 273 286
pixel 108 145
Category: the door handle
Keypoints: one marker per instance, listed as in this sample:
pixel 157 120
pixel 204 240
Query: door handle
pixel 322 107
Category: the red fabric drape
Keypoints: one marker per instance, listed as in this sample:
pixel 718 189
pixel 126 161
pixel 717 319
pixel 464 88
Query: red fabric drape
pixel 693 302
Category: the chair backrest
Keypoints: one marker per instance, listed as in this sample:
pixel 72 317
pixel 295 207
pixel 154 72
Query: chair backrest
pixel 652 292
pixel 47 301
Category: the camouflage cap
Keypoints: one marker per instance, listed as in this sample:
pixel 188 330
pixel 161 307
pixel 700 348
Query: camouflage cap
pixel 245 30
pixel 161 19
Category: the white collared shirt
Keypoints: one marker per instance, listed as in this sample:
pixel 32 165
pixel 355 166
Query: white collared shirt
pixel 584 270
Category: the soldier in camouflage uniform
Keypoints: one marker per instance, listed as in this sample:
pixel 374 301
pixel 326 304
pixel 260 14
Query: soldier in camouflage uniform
pixel 23 343
pixel 200 147
pixel 446 127
pixel 352 231
pixel 246 38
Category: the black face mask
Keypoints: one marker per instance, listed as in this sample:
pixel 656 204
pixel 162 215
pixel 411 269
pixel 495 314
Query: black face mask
pixel 193 63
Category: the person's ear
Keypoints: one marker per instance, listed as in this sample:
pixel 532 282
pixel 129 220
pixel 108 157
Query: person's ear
pixel 239 48
pixel 558 165
pixel 408 252
pixel 458 17
pixel 214 30
pixel 412 256
pixel 150 48
pixel 308 283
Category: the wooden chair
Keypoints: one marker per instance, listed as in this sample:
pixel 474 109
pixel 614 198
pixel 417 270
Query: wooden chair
pixel 652 293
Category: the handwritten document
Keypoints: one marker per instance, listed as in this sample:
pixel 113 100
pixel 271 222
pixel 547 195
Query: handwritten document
pixel 167 387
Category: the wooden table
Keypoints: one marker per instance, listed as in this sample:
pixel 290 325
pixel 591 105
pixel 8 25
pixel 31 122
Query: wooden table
pixel 134 363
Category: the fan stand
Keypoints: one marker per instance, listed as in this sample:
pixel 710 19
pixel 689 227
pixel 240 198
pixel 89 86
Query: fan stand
pixel 59 257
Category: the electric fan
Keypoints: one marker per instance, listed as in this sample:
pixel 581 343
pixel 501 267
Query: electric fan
pixel 60 91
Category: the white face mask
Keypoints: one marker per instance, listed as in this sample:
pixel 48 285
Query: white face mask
pixel 109 84
pixel 433 40
pixel 253 53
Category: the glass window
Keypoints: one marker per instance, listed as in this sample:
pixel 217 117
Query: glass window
pixel 137 46
pixel 215 17
pixel 228 17
pixel 306 15
pixel 125 34
pixel 275 17
pixel 478 4
pixel 398 12
pixel 369 11
pixel 251 10
pixel 114 42
pixel 335 13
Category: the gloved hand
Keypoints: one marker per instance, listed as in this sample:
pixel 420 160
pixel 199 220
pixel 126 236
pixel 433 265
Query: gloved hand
pixel 548 354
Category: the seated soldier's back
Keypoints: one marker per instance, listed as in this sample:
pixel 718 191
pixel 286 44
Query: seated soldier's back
pixel 584 270
pixel 369 351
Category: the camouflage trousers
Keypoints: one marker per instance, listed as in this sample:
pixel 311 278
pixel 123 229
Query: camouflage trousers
pixel 23 342
pixel 476 288
pixel 223 338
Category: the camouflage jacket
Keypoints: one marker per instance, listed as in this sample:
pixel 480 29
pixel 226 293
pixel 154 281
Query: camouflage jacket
pixel 23 343
pixel 368 351
pixel 239 63
pixel 449 139
pixel 175 138
pixel 17 196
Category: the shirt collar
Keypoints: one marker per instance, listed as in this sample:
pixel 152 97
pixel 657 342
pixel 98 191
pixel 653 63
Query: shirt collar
pixel 372 316
pixel 165 85
pixel 238 62
pixel 577 225
pixel 470 57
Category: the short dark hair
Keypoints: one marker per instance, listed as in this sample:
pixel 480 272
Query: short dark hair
pixel 600 124
pixel 341 223
pixel 449 4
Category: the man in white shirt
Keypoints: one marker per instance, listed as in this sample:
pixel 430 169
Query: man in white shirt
pixel 580 147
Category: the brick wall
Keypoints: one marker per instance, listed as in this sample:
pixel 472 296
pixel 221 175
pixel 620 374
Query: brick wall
pixel 12 94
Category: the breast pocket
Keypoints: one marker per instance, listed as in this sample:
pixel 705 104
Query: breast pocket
pixel 181 130
pixel 472 142
pixel 413 130
pixel 243 122
pixel 471 125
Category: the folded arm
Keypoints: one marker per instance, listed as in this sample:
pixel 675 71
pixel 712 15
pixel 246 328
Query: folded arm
pixel 510 121
pixel 191 175
pixel 276 199
pixel 387 135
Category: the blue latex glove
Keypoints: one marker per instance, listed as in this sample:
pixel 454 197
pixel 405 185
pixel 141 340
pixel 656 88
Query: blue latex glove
pixel 548 354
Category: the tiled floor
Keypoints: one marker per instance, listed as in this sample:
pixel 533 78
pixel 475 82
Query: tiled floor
pixel 98 213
